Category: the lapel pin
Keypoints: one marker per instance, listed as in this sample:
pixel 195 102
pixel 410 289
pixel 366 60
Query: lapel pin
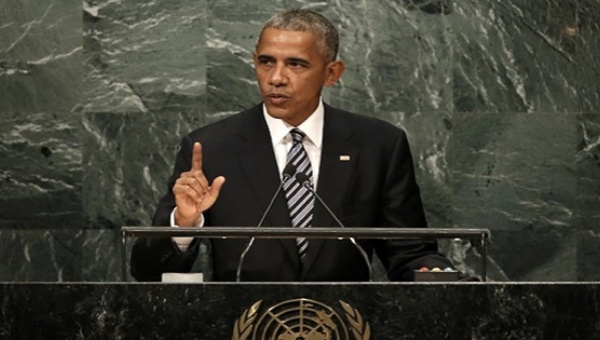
pixel 344 158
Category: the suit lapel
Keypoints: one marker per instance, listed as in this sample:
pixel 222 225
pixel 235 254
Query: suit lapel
pixel 257 160
pixel 338 159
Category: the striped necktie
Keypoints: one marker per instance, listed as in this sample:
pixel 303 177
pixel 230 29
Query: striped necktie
pixel 300 200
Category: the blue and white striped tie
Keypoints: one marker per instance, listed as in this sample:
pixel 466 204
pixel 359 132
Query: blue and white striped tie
pixel 300 200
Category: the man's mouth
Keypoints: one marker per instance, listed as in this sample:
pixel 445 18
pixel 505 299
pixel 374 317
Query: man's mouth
pixel 277 98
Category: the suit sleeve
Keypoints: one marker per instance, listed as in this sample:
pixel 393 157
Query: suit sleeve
pixel 150 257
pixel 402 207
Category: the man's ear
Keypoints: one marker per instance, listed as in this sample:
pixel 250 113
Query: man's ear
pixel 335 69
pixel 254 56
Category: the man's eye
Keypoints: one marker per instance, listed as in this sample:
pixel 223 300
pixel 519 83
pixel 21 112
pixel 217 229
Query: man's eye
pixel 266 62
pixel 296 65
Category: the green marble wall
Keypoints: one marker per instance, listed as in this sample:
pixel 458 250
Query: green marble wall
pixel 500 98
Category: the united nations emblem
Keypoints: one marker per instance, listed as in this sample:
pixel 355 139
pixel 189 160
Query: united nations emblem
pixel 300 319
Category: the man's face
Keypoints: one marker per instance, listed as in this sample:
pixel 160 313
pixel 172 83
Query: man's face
pixel 291 70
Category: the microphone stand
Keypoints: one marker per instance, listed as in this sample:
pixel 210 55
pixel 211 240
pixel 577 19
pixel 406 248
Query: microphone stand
pixel 302 178
pixel 288 172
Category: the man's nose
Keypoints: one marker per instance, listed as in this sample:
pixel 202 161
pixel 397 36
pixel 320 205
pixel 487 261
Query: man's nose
pixel 278 76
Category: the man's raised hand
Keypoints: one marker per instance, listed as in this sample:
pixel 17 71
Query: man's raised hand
pixel 193 194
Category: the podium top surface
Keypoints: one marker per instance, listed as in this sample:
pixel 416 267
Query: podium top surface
pixel 315 232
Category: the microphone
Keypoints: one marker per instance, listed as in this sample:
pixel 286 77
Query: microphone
pixel 288 172
pixel 305 180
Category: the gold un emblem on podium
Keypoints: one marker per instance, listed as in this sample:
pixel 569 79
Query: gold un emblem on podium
pixel 300 319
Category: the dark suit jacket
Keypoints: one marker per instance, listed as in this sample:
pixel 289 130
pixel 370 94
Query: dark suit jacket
pixel 376 188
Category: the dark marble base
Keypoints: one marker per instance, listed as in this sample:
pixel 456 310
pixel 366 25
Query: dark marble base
pixel 209 311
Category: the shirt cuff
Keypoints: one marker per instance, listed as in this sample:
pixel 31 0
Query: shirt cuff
pixel 184 242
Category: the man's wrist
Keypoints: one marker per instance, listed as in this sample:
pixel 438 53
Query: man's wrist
pixel 182 221
pixel 184 242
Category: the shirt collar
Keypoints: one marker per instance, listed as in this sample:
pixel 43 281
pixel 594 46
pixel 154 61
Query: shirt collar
pixel 312 126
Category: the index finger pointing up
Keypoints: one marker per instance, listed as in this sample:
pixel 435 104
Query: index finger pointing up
pixel 197 157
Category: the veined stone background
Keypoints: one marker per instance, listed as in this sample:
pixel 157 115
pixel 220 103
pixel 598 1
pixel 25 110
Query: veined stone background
pixel 500 99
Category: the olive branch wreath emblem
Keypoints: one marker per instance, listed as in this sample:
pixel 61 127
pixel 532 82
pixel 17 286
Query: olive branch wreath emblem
pixel 243 327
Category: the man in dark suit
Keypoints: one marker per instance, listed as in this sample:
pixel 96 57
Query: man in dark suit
pixel 226 173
